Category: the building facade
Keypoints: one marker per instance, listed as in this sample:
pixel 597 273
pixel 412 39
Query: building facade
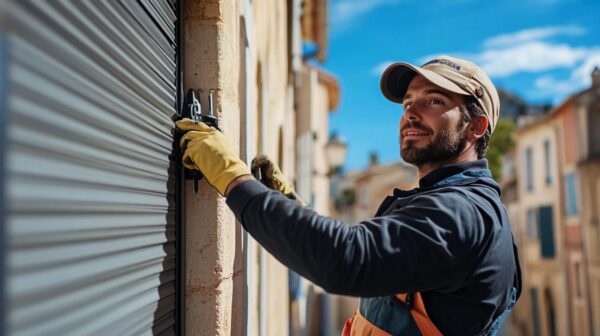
pixel 555 227
pixel 541 252
pixel 370 186
pixel 586 204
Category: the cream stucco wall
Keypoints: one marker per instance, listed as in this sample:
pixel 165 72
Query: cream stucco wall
pixel 321 164
pixel 213 259
pixel 589 175
pixel 273 128
pixel 546 275
pixel 216 284
pixel 312 132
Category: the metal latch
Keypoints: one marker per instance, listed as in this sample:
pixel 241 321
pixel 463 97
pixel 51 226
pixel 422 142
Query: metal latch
pixel 193 110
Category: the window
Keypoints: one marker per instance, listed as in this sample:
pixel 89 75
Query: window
pixel 535 309
pixel 550 313
pixel 532 223
pixel 578 279
pixel 571 196
pixel 364 198
pixel 548 162
pixel 529 168
pixel 546 224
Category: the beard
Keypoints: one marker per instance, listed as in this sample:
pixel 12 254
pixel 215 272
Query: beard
pixel 444 147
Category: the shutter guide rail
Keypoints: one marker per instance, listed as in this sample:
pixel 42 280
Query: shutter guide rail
pixel 3 145
pixel 180 245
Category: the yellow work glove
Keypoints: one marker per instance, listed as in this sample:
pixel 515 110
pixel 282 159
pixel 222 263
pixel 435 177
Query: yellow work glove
pixel 209 151
pixel 272 176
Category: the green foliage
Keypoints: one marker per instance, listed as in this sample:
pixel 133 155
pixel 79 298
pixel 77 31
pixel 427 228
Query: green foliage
pixel 345 199
pixel 501 142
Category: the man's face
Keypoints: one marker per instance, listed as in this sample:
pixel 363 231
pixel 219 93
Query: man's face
pixel 432 129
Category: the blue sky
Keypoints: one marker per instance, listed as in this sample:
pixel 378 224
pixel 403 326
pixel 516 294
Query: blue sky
pixel 541 50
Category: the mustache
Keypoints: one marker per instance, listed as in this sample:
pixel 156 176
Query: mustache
pixel 416 125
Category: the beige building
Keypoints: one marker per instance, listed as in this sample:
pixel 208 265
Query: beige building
pixel 369 188
pixel 585 266
pixel 516 324
pixel 555 229
pixel 541 254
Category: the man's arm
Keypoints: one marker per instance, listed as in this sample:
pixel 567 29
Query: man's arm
pixel 237 181
pixel 405 252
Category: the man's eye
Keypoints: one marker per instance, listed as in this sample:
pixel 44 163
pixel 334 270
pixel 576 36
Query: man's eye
pixel 407 105
pixel 436 101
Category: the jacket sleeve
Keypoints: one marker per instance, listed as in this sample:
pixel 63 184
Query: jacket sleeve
pixel 425 245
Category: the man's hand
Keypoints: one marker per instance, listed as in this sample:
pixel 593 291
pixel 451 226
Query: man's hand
pixel 272 176
pixel 209 151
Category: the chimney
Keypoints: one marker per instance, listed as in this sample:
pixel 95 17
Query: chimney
pixel 373 159
pixel 596 77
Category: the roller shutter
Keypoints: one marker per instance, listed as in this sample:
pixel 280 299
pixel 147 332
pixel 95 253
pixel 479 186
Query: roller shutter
pixel 89 216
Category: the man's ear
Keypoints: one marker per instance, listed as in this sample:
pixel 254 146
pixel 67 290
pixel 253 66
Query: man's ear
pixel 479 125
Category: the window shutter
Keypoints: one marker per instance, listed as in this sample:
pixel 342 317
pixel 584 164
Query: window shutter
pixel 547 232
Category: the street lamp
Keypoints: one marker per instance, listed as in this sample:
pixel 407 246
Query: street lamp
pixel 335 149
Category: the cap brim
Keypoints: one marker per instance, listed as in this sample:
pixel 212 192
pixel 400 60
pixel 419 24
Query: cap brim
pixel 396 77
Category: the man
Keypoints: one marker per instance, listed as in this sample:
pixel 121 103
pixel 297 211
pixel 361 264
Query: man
pixel 439 259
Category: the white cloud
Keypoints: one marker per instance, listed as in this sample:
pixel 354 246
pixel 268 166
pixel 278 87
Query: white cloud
pixel 580 77
pixel 379 68
pixel 343 12
pixel 547 86
pixel 584 71
pixel 528 51
pixel 533 34
pixel 534 56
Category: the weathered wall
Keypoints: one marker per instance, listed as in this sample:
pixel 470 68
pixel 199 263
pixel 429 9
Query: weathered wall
pixel 312 128
pixel 320 125
pixel 589 175
pixel 215 58
pixel 214 257
pixel 271 57
pixel 546 275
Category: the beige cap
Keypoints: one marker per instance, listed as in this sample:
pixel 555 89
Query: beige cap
pixel 453 74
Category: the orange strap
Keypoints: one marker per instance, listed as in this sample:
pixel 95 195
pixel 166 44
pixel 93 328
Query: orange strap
pixel 357 325
pixel 420 316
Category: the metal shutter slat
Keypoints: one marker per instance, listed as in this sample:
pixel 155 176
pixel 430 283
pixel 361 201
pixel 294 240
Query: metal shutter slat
pixel 73 33
pixel 146 49
pixel 81 64
pixel 161 17
pixel 139 14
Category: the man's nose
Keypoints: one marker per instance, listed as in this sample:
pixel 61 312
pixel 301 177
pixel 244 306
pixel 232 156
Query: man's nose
pixel 412 112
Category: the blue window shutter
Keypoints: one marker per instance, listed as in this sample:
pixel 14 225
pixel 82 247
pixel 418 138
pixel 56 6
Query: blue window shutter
pixel 548 162
pixel 571 198
pixel 547 232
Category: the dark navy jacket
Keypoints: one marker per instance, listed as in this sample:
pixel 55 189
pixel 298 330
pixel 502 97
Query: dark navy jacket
pixel 449 239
